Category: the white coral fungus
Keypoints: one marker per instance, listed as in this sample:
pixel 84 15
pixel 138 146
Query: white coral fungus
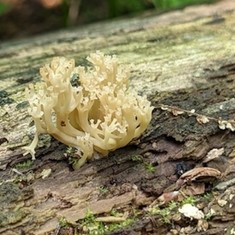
pixel 101 114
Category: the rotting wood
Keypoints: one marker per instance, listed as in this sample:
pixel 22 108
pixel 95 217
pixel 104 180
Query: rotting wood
pixel 179 59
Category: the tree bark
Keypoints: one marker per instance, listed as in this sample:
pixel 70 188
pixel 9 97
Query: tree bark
pixel 184 61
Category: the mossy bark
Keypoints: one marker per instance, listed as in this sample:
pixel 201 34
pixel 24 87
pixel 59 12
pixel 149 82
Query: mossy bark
pixel 182 61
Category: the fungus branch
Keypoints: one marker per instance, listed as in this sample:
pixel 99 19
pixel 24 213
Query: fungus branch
pixel 102 114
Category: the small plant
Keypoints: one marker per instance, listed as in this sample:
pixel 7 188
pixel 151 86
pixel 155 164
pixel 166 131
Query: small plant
pixel 115 226
pixel 149 167
pixel 92 226
pixel 73 161
pixel 137 158
pixel 103 189
pixel 70 153
pixel 24 165
pixel 63 223
pixel 208 197
pixel 89 218
pixel 189 200
pixel 209 215
pixel 165 213
pixel 116 213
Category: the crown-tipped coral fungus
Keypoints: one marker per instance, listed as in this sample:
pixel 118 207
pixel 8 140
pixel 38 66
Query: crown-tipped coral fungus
pixel 101 114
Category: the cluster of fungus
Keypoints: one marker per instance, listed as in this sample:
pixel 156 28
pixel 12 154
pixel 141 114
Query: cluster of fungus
pixel 99 115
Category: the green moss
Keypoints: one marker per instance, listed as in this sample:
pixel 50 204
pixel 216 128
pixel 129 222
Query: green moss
pixel 93 227
pixel 166 212
pixel 103 190
pixel 137 158
pixel 190 200
pixel 63 222
pixel 149 167
pixel 24 165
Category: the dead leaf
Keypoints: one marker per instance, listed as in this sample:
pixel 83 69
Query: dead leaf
pixel 200 173
pixel 212 154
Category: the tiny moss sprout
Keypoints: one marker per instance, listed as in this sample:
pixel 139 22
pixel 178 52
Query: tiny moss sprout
pixel 24 165
pixel 70 152
pixel 92 226
pixel 165 213
pixel 208 197
pixel 209 215
pixel 73 161
pixel 103 190
pixel 149 167
pixel 137 158
pixel 63 223
pixel 172 208
pixel 114 212
pixel 190 200
pixel 89 218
